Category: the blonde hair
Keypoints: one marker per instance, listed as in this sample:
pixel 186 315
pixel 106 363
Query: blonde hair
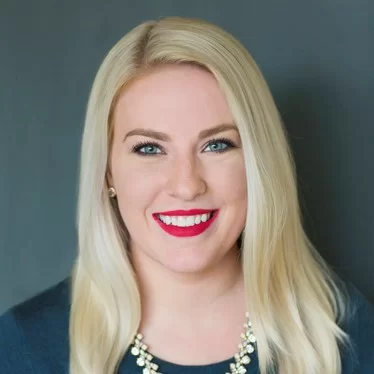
pixel 293 297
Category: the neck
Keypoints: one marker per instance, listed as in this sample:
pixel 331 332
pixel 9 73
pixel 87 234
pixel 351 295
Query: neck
pixel 189 297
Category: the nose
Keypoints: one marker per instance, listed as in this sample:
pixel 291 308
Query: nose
pixel 186 180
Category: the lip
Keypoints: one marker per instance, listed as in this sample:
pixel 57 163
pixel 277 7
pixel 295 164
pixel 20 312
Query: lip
pixel 186 231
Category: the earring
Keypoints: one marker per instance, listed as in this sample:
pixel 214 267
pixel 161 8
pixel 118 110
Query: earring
pixel 112 192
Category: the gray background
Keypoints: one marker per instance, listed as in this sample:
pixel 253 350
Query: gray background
pixel 317 57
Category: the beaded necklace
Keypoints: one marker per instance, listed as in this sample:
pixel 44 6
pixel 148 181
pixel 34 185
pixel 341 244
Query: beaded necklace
pixel 144 358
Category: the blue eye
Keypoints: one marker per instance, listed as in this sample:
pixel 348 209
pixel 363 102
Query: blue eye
pixel 219 145
pixel 153 149
pixel 147 149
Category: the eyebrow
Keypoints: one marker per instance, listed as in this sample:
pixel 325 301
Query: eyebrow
pixel 165 138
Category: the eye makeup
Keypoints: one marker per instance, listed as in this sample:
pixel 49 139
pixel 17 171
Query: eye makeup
pixel 152 148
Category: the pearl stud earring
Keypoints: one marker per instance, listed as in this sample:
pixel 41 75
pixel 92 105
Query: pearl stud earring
pixel 112 192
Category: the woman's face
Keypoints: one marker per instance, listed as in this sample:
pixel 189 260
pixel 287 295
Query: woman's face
pixel 178 168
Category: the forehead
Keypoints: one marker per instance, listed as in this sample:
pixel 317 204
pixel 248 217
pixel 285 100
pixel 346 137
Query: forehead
pixel 174 97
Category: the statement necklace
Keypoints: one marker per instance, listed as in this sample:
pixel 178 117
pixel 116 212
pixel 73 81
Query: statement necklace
pixel 144 359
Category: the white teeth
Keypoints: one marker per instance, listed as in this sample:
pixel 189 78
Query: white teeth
pixel 190 221
pixel 184 221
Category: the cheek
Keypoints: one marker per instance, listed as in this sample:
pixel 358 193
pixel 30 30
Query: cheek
pixel 228 180
pixel 136 184
pixel 136 181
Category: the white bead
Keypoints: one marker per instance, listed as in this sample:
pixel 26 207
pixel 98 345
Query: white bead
pixel 245 360
pixel 140 361
pixel 242 370
pixel 135 351
pixel 251 338
pixel 250 348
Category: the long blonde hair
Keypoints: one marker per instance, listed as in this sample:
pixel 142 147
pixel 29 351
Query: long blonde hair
pixel 293 297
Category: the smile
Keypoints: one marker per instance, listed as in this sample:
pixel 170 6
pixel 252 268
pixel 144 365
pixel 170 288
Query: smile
pixel 186 223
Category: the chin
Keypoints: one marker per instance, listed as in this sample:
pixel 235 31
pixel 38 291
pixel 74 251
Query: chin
pixel 188 265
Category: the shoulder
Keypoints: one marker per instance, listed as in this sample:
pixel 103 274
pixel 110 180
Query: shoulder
pixel 34 334
pixel 359 325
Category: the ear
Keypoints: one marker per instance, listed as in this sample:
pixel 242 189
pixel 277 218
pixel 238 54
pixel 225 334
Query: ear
pixel 108 177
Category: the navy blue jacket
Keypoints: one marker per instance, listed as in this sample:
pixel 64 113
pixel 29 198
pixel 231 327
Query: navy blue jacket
pixel 34 339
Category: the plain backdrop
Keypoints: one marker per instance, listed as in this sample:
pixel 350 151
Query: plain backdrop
pixel 317 57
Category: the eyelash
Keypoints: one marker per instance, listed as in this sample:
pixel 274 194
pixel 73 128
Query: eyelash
pixel 230 144
pixel 138 146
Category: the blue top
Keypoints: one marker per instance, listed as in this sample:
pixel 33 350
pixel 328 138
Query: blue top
pixel 34 339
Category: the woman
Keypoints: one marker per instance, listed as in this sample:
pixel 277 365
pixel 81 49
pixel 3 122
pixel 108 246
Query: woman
pixel 190 236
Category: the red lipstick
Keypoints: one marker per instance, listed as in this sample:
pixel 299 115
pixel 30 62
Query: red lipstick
pixel 194 230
